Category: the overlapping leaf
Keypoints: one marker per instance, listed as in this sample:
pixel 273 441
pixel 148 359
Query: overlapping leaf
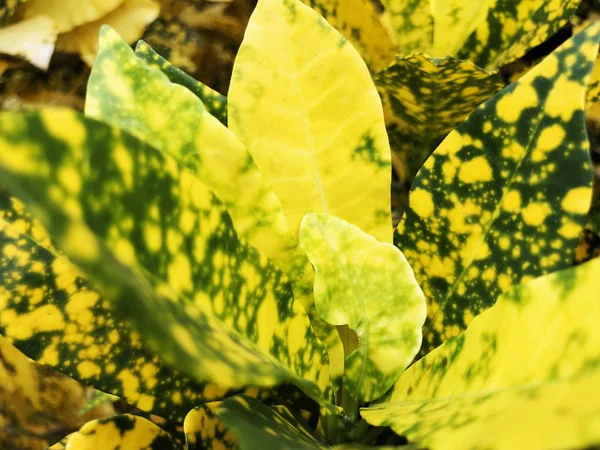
pixel 370 287
pixel 302 101
pixel 159 245
pixel 525 374
pixel 428 97
pixel 54 314
pixel 204 430
pixel 486 210
pixel 215 103
pixel 363 25
pixel 169 117
pixel 120 432
pixel 512 28
pixel 130 19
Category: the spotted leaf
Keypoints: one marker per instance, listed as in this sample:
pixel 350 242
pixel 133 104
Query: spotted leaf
pixel 68 14
pixel 215 103
pixel 512 28
pixel 275 428
pixel 204 430
pixel 172 119
pixel 303 102
pixel 525 373
pixel 363 25
pixel 438 28
pixel 120 432
pixel 54 314
pixel 485 211
pixel 370 287
pixel 427 97
pixel 160 246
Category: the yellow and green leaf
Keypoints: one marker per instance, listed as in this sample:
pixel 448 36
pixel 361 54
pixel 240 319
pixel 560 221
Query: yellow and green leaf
pixel 486 211
pixel 512 28
pixel 120 432
pixel 54 314
pixel 303 103
pixel 215 103
pixel 525 374
pixel 438 28
pixel 204 431
pixel 126 93
pixel 158 244
pixel 427 97
pixel 370 287
pixel 363 24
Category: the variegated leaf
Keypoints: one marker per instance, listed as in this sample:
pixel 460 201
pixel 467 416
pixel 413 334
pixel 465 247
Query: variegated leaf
pixel 170 118
pixel 52 313
pixel 438 28
pixel 154 239
pixel 512 28
pixel 363 25
pixel 485 211
pixel 303 102
pixel 204 430
pixel 370 287
pixel 120 432
pixel 68 14
pixel 215 103
pixel 525 374
pixel 427 97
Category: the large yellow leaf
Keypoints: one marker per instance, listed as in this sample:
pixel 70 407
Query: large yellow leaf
pixel 32 39
pixel 304 104
pixel 525 374
pixel 68 14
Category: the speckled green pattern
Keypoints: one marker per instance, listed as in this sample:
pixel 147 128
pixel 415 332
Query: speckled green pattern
pixel 525 374
pixel 54 315
pixel 158 243
pixel 514 27
pixel 215 103
pixel 428 97
pixel 486 210
pixel 370 287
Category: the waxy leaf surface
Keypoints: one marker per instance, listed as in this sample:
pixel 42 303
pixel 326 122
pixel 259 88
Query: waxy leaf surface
pixel 427 97
pixel 154 239
pixel 120 432
pixel 52 313
pixel 504 197
pixel 303 102
pixel 525 374
pixel 215 103
pixel 363 25
pixel 126 93
pixel 370 287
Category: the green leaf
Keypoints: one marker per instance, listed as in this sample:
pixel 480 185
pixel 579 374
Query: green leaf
pixel 276 429
pixel 486 211
pixel 215 103
pixel 120 432
pixel 363 25
pixel 126 93
pixel 54 314
pixel 427 97
pixel 370 287
pixel 525 374
pixel 159 244
pixel 303 102
pixel 98 398
pixel 512 28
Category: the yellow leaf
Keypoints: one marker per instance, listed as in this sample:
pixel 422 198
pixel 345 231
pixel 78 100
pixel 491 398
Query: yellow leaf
pixel 32 39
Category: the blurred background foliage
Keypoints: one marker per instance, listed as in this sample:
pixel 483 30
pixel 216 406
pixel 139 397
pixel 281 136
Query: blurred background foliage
pixel 46 50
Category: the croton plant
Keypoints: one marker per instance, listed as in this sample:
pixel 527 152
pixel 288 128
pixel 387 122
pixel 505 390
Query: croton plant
pixel 229 266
